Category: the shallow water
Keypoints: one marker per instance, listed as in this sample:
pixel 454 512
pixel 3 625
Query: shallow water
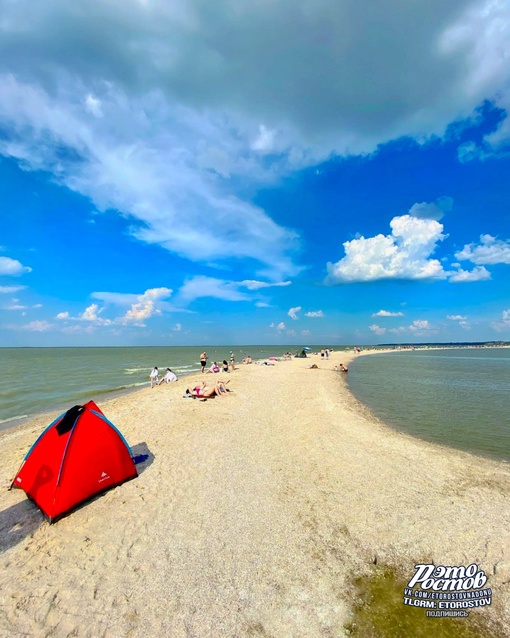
pixel 454 397
pixel 34 380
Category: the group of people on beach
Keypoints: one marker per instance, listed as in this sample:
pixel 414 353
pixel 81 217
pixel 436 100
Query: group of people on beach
pixel 214 368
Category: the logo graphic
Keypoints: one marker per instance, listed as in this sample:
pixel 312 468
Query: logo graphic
pixel 104 477
pixel 447 591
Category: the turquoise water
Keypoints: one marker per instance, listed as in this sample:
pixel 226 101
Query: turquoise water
pixel 35 380
pixel 455 397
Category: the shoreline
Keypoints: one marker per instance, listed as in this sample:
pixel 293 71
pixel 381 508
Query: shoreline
pixel 254 511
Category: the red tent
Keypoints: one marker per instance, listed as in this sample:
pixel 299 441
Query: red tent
pixel 78 455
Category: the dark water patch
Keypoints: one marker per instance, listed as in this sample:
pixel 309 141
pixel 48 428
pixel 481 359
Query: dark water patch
pixel 379 612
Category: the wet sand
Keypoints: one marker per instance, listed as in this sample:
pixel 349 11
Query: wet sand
pixel 251 517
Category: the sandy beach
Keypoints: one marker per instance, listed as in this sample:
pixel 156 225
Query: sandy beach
pixel 252 516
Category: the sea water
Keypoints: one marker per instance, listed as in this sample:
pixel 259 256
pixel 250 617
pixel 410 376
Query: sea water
pixel 455 397
pixel 36 380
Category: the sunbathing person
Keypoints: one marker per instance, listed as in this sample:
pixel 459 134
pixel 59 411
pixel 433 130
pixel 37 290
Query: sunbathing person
pixel 208 392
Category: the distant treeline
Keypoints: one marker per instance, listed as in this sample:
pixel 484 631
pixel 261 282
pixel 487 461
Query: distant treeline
pixel 449 343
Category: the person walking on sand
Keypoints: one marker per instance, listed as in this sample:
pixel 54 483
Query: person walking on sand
pixel 232 361
pixel 154 376
pixel 203 361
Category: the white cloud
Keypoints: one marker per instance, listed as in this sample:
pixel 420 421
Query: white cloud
pixel 146 306
pixel 165 147
pixel 377 329
pixel 504 324
pixel 142 307
pixel 461 320
pixel 34 326
pixel 91 313
pixel 305 333
pixel 252 284
pixel 489 251
pixel 149 172
pixel 479 273
pixel 12 267
pixel 314 313
pixel 202 286
pixel 262 304
pixel 10 289
pixel 405 254
pixel 177 327
pixel 281 326
pixel 293 312
pixel 421 327
pixel 116 298
pixel 93 105
pixel 387 313
pixel 265 141
pixel 14 306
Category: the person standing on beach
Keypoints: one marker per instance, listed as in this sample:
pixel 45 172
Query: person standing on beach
pixel 154 376
pixel 203 361
pixel 232 361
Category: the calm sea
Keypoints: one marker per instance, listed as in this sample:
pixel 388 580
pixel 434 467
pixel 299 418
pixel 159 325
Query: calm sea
pixel 454 397
pixel 35 380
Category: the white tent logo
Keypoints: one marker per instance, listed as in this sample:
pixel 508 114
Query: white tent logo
pixel 104 477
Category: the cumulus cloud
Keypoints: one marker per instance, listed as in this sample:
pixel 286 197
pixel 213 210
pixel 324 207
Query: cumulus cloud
pixel 293 312
pixel 387 313
pixel 418 328
pixel 377 329
pixel 489 251
pixel 407 254
pixel 314 313
pixel 404 254
pixel 279 327
pixel 461 320
pixel 504 324
pixel 12 267
pixel 479 273
pixel 421 327
pixel 142 307
pixel 145 307
pixel 34 326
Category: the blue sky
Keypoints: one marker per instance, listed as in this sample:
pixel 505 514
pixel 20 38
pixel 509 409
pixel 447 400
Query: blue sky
pixel 194 173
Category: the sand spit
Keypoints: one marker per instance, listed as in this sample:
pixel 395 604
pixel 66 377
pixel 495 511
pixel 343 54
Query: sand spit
pixel 250 517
